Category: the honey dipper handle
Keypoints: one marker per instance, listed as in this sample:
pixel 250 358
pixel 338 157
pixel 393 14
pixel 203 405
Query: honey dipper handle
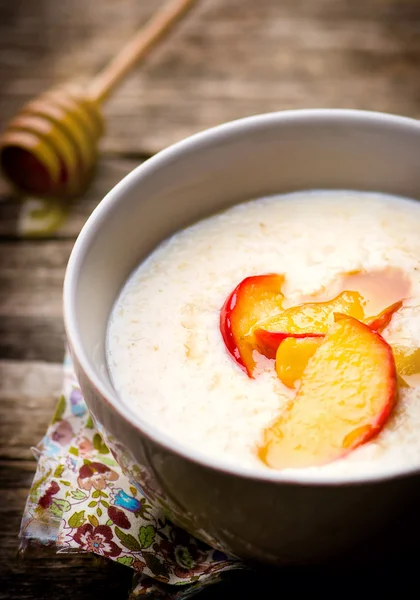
pixel 137 48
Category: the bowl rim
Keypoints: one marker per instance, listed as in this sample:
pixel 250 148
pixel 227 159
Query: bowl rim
pixel 99 215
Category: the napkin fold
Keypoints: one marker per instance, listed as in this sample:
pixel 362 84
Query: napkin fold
pixel 80 501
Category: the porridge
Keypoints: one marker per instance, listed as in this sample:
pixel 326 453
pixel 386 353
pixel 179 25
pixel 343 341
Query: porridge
pixel 277 321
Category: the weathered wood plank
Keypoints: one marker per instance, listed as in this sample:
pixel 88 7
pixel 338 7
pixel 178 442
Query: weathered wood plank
pixel 31 280
pixel 226 60
pixel 28 395
pixel 31 277
pixel 32 338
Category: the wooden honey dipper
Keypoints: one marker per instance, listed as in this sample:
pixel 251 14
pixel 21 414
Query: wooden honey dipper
pixel 50 147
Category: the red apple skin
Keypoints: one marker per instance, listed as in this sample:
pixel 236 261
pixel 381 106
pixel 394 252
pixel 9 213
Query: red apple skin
pixel 226 328
pixel 269 341
pixel 253 299
pixel 382 320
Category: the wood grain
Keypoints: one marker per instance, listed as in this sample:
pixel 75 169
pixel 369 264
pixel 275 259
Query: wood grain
pixel 228 59
pixel 31 280
pixel 28 394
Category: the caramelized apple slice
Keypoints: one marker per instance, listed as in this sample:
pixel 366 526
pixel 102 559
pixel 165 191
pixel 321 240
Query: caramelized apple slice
pixel 309 318
pixel 382 320
pixel 253 300
pixel 347 393
pixel 292 356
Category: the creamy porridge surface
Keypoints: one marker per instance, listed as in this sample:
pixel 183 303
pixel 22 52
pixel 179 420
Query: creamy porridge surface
pixel 165 352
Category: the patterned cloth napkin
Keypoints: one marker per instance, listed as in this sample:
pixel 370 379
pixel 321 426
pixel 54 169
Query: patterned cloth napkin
pixel 81 502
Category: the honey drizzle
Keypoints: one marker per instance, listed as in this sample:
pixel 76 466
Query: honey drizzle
pixel 379 288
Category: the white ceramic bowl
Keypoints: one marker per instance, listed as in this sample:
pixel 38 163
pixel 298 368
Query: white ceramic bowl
pixel 252 514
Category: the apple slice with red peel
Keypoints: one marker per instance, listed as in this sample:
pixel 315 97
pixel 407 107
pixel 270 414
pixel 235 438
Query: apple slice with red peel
pixel 382 320
pixel 316 317
pixel 310 318
pixel 293 353
pixel 268 342
pixel 253 300
pixel 347 393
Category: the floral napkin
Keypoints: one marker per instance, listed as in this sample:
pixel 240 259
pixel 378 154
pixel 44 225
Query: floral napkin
pixel 81 502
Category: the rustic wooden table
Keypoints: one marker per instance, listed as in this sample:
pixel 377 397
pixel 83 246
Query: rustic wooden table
pixel 228 59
